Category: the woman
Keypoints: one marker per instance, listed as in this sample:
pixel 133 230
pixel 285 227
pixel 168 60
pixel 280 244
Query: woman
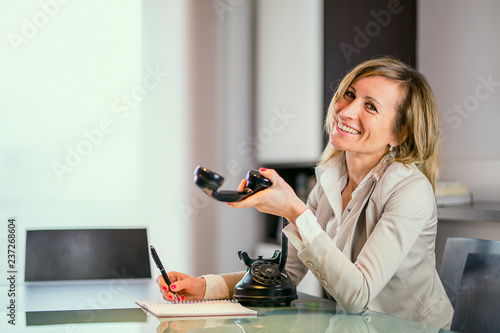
pixel 368 229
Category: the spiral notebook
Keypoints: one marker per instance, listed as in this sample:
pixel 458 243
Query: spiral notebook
pixel 191 309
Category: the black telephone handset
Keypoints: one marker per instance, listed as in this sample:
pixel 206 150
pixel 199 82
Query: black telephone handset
pixel 210 182
pixel 265 281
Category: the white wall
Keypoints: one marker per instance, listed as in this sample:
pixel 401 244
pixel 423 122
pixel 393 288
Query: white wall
pixel 238 230
pixel 220 96
pixel 92 117
pixel 458 51
pixel 91 67
pixel 289 81
pixel 165 136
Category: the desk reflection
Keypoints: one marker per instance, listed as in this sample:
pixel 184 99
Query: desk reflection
pixel 177 326
pixel 299 320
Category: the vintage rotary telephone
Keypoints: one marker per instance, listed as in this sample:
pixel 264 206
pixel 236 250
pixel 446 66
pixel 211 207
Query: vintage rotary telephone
pixel 265 281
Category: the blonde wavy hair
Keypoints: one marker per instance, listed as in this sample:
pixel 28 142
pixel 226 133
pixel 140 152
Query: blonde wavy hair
pixel 417 124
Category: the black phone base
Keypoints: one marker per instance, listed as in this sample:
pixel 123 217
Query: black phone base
pixel 264 283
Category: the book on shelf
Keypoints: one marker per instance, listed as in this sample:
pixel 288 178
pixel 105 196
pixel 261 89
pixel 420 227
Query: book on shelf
pixel 454 200
pixel 452 193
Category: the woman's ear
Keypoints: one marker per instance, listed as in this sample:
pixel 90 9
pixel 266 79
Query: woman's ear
pixel 402 137
pixel 404 134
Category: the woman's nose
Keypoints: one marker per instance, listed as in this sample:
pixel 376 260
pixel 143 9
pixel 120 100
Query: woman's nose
pixel 348 110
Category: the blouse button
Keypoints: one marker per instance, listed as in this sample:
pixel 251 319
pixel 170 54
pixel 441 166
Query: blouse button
pixel 317 274
pixel 324 283
pixel 309 265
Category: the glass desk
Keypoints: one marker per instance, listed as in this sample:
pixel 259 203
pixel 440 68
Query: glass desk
pixel 96 307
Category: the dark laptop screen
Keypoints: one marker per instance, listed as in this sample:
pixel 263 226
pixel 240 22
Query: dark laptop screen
pixel 86 254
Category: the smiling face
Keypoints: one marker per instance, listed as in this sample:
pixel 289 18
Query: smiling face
pixel 364 117
pixel 383 101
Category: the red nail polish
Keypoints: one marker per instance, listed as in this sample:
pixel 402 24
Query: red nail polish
pixel 173 286
pixel 165 288
pixel 262 169
pixel 170 297
pixel 183 297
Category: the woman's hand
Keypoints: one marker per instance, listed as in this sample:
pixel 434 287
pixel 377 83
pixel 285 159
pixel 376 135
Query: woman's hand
pixel 186 287
pixel 279 199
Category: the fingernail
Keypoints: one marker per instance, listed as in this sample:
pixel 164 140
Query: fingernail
pixel 173 286
pixel 183 297
pixel 227 203
pixel 170 297
pixel 262 169
pixel 165 288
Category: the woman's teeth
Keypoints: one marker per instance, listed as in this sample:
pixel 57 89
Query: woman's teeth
pixel 347 129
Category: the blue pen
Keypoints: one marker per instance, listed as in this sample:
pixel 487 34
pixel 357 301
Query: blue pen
pixel 160 267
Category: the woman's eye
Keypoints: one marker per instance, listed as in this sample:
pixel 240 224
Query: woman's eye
pixel 371 107
pixel 350 94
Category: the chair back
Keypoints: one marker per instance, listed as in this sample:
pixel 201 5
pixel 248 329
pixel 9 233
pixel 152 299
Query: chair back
pixel 455 255
pixel 83 254
pixel 478 298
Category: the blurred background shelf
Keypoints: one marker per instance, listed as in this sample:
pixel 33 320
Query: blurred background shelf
pixel 477 211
